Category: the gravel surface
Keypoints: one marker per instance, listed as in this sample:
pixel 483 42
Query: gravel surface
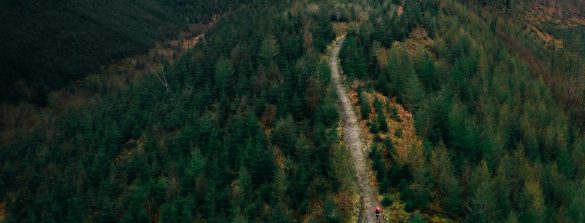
pixel 353 139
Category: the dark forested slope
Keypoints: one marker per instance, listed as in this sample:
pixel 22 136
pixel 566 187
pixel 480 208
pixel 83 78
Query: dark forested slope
pixel 46 44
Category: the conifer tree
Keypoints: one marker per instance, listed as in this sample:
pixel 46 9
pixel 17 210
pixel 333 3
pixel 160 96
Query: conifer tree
pixel 224 73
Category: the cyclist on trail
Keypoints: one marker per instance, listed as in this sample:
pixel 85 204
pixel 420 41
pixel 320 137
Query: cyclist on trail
pixel 378 212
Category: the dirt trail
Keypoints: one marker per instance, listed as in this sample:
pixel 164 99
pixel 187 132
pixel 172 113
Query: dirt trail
pixel 353 139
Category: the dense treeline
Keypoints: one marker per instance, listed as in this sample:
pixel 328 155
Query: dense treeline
pixel 47 44
pixel 244 132
pixel 561 68
pixel 496 145
pixel 559 58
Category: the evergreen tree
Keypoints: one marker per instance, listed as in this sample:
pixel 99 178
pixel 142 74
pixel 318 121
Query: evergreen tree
pixel 168 213
pixel 413 92
pixel 244 200
pixel 381 116
pixel 261 165
pixel 224 73
pixel 268 51
pixel 483 204
pixel 427 73
pixel 283 134
pixel 364 104
pixel 279 214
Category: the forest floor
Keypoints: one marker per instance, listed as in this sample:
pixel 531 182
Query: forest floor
pixel 353 139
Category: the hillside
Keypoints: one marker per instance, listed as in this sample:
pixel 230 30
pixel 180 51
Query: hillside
pixel 313 111
pixel 47 44
pixel 490 143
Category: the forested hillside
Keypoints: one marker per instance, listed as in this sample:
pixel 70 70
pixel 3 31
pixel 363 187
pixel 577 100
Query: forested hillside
pixel 47 44
pixel 496 147
pixel 245 131
pixel 244 127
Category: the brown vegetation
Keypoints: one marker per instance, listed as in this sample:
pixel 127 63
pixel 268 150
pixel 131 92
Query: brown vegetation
pixel 340 28
pixel 400 10
pixel 408 145
pixel 417 38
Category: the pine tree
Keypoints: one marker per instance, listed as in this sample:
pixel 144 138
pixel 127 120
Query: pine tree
pixel 284 134
pixel 168 213
pixel 224 73
pixel 382 83
pixel 107 213
pixel 244 200
pixel 565 164
pixel 328 111
pixel 364 104
pixel 297 107
pixel 427 73
pixel 381 116
pixel 417 218
pixel 268 51
pixel 483 203
pixel 330 213
pixel 575 210
pixel 413 92
pixel 280 187
pixel 443 174
pixel 136 211
pixel 417 194
pixel 280 214
pixel 377 162
pixel 261 165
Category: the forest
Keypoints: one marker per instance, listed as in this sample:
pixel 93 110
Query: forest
pixel 244 131
pixel 496 147
pixel 245 126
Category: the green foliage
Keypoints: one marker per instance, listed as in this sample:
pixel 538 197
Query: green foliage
pixel 426 71
pixel 268 51
pixel 377 162
pixel 223 74
pixel 322 34
pixel 417 218
pixel 386 201
pixel 353 58
pixel 214 147
pixel 417 194
pixel 284 134
pixel 497 146
pixel 381 116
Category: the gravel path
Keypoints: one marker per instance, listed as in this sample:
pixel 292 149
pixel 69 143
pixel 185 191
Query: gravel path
pixel 353 139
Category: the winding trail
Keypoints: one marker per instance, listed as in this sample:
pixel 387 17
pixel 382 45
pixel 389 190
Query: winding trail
pixel 353 139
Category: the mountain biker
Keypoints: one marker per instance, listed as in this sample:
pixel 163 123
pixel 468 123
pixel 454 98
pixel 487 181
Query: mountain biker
pixel 378 212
